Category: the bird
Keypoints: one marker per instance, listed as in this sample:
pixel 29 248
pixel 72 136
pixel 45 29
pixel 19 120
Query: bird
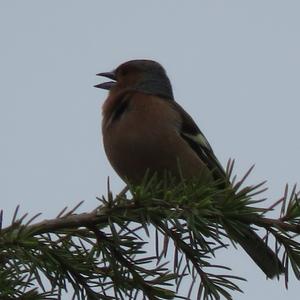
pixel 145 130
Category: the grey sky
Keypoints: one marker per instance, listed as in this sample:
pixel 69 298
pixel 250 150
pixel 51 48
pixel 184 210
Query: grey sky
pixel 234 65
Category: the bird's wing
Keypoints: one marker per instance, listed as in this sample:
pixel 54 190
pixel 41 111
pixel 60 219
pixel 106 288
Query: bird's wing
pixel 191 133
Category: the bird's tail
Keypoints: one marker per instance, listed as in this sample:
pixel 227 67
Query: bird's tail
pixel 261 254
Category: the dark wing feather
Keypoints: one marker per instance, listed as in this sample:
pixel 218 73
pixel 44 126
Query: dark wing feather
pixel 198 142
pixel 261 254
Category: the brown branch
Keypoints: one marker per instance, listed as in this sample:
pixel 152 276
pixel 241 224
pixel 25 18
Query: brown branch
pixel 68 222
pixel 102 215
pixel 285 226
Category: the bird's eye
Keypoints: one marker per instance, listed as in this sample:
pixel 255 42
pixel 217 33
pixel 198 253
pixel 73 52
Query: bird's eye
pixel 124 72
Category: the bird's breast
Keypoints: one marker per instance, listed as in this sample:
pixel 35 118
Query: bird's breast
pixel 146 138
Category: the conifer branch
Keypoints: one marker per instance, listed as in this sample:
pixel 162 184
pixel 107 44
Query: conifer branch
pixel 102 254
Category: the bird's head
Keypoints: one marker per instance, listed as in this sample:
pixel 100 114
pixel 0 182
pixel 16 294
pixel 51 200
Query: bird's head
pixel 146 76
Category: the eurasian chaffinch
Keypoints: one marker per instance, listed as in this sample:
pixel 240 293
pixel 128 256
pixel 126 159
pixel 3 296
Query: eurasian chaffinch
pixel 145 130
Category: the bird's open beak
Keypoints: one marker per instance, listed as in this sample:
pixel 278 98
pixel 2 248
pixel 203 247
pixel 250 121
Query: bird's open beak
pixel 109 84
